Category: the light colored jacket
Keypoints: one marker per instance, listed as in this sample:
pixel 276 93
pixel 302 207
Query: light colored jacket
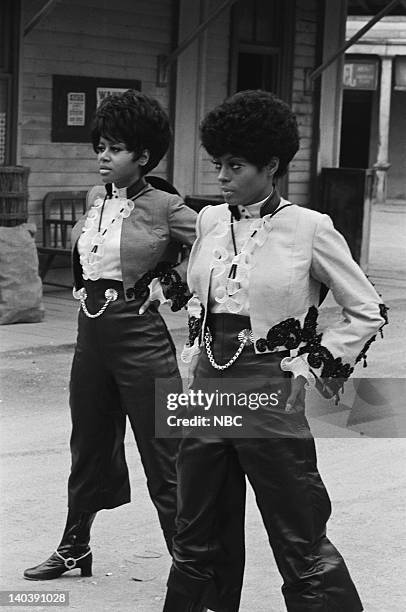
pixel 159 223
pixel 302 250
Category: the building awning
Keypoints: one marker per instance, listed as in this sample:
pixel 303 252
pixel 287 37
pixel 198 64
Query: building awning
pixel 377 8
pixel 372 7
pixel 387 8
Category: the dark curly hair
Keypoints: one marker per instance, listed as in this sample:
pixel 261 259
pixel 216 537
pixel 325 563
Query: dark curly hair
pixel 135 119
pixel 253 124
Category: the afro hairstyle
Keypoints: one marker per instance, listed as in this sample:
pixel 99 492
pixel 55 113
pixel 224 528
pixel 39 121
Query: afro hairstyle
pixel 135 119
pixel 255 125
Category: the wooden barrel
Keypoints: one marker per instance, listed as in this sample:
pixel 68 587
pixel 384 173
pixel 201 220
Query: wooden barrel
pixel 13 195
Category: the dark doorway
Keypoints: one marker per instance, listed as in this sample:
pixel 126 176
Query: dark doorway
pixel 355 129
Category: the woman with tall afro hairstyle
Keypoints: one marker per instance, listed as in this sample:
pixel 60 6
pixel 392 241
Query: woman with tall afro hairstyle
pixel 256 272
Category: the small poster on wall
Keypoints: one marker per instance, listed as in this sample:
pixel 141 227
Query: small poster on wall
pixel 360 74
pixel 76 108
pixel 74 100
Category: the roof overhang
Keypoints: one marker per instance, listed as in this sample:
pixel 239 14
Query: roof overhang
pixel 372 7
pixel 387 8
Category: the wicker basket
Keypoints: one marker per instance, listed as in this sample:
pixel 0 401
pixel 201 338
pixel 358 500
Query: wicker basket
pixel 13 195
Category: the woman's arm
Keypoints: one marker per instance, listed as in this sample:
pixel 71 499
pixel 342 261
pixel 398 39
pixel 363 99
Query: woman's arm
pixel 192 348
pixel 168 280
pixel 182 228
pixel 333 354
pixel 363 312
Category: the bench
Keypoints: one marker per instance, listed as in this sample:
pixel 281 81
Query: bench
pixel 60 211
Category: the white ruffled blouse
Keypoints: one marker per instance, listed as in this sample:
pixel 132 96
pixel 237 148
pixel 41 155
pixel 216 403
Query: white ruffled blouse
pixel 105 261
pixel 230 296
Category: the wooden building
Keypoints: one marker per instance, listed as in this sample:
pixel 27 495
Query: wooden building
pixel 374 104
pixel 61 56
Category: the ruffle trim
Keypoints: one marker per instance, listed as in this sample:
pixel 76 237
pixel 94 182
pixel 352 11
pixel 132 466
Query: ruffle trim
pixel 299 367
pixel 92 260
pixel 155 291
pixel 189 352
pixel 195 322
pixel 173 287
pixel 233 294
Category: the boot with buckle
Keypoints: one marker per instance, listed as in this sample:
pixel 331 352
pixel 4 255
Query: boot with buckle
pixel 73 551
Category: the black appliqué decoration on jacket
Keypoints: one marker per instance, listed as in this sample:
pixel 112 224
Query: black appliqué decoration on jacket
pixel 195 326
pixel 173 287
pixel 383 309
pixel 290 334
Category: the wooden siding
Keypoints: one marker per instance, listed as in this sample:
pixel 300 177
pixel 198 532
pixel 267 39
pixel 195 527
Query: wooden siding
pixel 216 89
pixel 304 58
pixel 84 38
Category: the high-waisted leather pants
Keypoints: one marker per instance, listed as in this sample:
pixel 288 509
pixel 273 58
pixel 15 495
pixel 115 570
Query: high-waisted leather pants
pixel 208 552
pixel 117 358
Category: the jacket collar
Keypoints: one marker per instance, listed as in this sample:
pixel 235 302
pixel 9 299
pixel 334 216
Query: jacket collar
pixel 259 209
pixel 129 192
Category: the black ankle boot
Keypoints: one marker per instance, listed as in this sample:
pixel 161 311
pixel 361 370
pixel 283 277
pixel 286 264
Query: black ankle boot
pixel 176 602
pixel 73 551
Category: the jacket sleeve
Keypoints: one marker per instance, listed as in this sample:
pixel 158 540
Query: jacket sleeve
pixel 334 353
pixel 181 223
pixel 167 280
pixel 195 322
pixel 182 228
pixel 195 308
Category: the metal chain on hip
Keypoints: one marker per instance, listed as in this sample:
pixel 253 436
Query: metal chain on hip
pixel 245 337
pixel 110 294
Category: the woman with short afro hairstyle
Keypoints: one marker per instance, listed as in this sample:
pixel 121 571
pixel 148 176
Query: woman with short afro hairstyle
pixel 126 260
pixel 256 272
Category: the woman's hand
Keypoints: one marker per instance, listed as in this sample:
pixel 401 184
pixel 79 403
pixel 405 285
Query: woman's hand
pixel 147 304
pixel 192 369
pixel 295 401
pixel 150 300
pixel 155 294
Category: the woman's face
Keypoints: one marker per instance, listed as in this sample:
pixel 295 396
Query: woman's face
pixel 116 163
pixel 241 182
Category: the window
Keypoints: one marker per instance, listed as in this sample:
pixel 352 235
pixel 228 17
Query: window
pixel 261 44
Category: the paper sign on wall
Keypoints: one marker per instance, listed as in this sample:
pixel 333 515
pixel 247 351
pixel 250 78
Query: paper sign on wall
pixel 360 75
pixel 74 101
pixel 76 110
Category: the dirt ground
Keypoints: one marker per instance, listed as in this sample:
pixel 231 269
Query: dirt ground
pixel 362 463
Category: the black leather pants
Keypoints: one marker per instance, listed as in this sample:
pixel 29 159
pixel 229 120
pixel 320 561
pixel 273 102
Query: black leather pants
pixel 208 553
pixel 117 358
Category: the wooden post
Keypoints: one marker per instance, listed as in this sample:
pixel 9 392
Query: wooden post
pixel 382 163
pixel 331 85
